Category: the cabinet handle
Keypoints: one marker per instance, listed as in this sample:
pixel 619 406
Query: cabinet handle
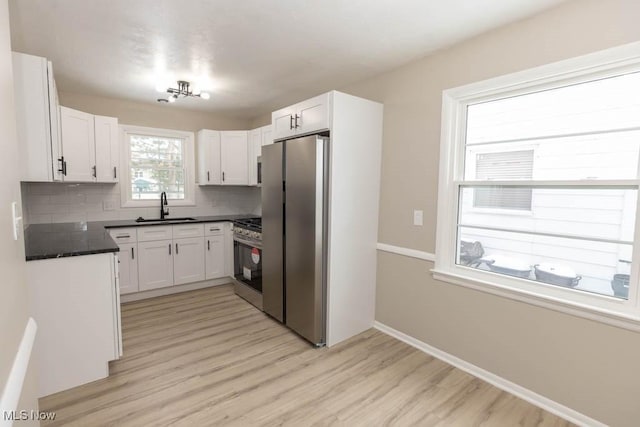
pixel 208 245
pixel 207 176
pixel 94 172
pixel 133 256
pixel 115 175
pixel 222 176
pixel 177 249
pixel 290 121
pixel 296 124
pixel 169 248
pixel 63 166
pixel 123 236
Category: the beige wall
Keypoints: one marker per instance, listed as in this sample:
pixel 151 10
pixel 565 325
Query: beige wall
pixel 13 291
pixel 152 115
pixel 579 363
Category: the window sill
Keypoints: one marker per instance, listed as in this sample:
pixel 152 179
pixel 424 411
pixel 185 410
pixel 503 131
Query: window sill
pixel 622 320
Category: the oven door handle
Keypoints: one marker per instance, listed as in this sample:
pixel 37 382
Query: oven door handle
pixel 253 244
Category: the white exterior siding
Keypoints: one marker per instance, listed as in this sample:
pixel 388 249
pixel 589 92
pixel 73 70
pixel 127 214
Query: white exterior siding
pixel 603 214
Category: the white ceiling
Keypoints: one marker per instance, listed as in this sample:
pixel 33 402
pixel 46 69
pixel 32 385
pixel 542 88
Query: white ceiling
pixel 253 56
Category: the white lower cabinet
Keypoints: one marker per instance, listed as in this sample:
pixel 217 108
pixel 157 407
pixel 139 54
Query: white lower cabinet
pixel 127 258
pixel 128 265
pixel 155 264
pixel 188 260
pixel 214 258
pixel 76 305
pixel 166 255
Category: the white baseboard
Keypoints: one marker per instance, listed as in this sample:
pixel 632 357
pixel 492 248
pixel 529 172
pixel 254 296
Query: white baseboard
pixel 136 296
pixel 493 379
pixel 13 388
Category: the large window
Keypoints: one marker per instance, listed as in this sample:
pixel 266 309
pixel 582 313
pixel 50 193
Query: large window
pixel 158 160
pixel 539 184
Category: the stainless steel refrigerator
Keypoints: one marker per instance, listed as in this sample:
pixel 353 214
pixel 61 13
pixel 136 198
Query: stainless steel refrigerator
pixel 294 234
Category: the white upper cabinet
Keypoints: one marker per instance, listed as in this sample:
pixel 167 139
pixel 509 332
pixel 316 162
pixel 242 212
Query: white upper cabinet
pixel 36 101
pixel 107 149
pixel 304 117
pixel 234 157
pixel 255 151
pixel 89 147
pixel 59 143
pixel 223 157
pixel 267 135
pixel 78 145
pixel 209 172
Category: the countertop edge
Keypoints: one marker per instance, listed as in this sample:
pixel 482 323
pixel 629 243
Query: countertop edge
pixel 72 254
pixel 106 225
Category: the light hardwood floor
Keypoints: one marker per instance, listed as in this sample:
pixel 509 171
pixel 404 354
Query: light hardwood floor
pixel 209 358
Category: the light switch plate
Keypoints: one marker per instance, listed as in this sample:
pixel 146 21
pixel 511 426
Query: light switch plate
pixel 417 217
pixel 108 205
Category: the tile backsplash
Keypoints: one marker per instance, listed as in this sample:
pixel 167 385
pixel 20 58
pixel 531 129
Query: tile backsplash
pixel 64 202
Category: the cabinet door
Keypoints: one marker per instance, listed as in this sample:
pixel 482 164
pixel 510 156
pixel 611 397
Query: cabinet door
pixel 215 259
pixel 312 114
pixel 35 101
pixel 107 153
pixel 188 260
pixel 128 267
pixel 78 145
pixel 234 157
pixel 54 119
pixel 209 157
pixel 255 150
pixel 155 264
pixel 282 122
pixel 267 135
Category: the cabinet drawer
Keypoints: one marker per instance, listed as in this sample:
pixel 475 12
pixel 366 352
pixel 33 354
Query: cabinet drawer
pixel 188 230
pixel 214 228
pixel 156 232
pixel 124 235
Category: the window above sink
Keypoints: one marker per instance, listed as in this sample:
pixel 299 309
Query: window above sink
pixel 156 160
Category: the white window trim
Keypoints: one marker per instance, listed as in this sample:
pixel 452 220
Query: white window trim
pixel 607 63
pixel 190 179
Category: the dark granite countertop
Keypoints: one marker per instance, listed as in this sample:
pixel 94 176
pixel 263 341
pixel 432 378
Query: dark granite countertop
pixel 45 241
pixel 196 219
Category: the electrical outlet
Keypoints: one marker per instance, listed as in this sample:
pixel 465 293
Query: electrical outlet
pixel 108 205
pixel 417 217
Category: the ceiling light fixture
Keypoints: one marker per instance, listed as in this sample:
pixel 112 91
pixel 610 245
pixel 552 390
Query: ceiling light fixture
pixel 183 91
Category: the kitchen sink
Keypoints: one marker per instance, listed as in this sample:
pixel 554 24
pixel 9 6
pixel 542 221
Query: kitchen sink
pixel 140 219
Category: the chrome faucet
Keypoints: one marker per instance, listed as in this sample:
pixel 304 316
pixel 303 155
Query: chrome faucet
pixel 163 203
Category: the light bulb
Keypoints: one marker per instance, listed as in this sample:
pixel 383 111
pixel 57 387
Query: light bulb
pixel 205 95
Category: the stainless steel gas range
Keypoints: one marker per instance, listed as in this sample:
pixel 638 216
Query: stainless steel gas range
pixel 247 262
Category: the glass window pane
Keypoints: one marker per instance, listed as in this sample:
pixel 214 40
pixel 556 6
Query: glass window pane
pixel 597 267
pixel 594 213
pixel 156 166
pixel 599 156
pixel 598 105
